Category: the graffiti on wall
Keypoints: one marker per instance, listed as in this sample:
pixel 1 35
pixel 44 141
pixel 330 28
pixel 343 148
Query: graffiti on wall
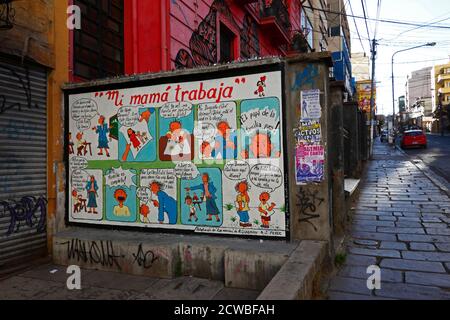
pixel 308 204
pixel 24 87
pixel 28 211
pixel 203 41
pixel 203 156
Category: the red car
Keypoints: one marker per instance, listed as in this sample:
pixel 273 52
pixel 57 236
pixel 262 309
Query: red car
pixel 414 138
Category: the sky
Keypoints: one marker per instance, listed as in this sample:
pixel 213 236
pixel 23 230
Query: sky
pixel 390 40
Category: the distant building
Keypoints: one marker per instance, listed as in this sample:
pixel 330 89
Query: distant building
pixel 440 89
pixel 339 44
pixel 418 98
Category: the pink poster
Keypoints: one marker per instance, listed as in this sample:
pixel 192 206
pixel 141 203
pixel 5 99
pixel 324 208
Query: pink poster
pixel 309 163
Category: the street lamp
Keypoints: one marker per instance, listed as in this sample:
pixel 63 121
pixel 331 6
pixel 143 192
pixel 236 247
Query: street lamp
pixel 429 44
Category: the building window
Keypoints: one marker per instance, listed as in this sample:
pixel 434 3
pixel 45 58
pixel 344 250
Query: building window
pixel 98 47
pixel 227 44
pixel 447 84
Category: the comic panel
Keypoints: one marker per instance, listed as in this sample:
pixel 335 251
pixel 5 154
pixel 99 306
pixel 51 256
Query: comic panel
pixel 176 127
pixel 216 131
pixel 86 196
pixel 137 132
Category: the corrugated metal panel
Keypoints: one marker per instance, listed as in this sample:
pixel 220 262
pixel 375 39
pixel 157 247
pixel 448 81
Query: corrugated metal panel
pixel 23 158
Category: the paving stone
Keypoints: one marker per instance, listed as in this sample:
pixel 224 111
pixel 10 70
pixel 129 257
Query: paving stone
pixel 423 238
pixel 376 252
pixel 435 225
pixel 414 219
pixel 438 231
pixel 430 220
pixel 365 217
pixel 363 228
pixel 443 246
pixel 428 279
pixel 422 246
pixel 360 272
pixel 401 230
pixel 393 245
pixel 350 285
pixel 357 260
pixel 413 265
pixel 374 236
pixel 411 292
pixel 426 256
pixel 387 218
pixel 363 242
pixel 408 224
pixel 375 223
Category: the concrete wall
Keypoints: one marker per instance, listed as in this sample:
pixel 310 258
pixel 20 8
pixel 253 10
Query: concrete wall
pixel 309 205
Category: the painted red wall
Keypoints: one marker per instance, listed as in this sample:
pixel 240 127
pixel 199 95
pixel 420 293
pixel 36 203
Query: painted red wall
pixel 169 34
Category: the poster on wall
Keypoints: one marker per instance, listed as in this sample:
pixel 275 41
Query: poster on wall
pixel 309 132
pixel 310 104
pixel 204 156
pixel 309 163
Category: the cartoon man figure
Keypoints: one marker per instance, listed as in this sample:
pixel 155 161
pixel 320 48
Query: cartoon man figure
pixel 121 210
pixel 164 203
pixel 102 129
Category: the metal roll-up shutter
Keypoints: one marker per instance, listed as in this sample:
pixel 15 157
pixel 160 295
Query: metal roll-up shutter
pixel 23 161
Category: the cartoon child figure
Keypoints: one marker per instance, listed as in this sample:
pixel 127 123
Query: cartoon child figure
pixel 265 209
pixel 192 210
pixel 102 129
pixel 134 139
pixel 242 203
pixel 261 84
pixel 81 144
pixel 76 206
pixel 121 210
pixel 260 147
pixel 144 210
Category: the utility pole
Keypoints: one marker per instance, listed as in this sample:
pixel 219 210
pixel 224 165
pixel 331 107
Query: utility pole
pixel 372 98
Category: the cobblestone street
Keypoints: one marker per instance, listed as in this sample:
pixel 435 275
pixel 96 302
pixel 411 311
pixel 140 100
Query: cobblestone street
pixel 400 223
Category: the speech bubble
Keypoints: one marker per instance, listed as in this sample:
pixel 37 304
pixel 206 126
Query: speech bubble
pixel 204 131
pixel 216 112
pixel 119 177
pixel 176 110
pixel 260 119
pixel 186 170
pixel 144 194
pixel 266 176
pixel 83 124
pixel 236 170
pixel 128 116
pixel 84 109
pixel 78 163
pixel 165 177
pixel 79 180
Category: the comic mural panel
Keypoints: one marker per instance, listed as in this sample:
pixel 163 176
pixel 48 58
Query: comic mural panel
pixel 203 156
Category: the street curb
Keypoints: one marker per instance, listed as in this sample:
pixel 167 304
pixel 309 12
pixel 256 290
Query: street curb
pixel 436 179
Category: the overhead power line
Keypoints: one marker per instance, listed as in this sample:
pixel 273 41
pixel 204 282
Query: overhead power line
pixel 405 23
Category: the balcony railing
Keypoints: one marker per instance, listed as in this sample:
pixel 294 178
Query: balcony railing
pixel 442 77
pixel 274 13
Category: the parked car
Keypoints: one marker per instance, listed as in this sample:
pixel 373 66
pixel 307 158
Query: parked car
pixel 384 136
pixel 414 138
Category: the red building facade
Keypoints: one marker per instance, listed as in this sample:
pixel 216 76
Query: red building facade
pixel 149 36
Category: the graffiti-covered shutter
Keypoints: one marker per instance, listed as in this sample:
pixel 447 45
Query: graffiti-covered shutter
pixel 23 160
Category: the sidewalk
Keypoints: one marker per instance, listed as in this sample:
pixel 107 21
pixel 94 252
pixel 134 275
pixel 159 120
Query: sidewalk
pixel 48 282
pixel 400 223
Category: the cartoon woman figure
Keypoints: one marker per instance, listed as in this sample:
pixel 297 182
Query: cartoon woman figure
pixel 102 129
pixel 92 188
pixel 134 139
pixel 261 84
pixel 242 203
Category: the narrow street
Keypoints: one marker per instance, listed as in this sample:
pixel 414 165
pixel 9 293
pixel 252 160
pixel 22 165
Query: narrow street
pixel 436 155
pixel 401 224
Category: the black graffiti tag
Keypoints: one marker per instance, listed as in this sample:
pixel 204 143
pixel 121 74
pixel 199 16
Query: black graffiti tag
pixel 25 84
pixel 144 259
pixel 308 202
pixel 101 252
